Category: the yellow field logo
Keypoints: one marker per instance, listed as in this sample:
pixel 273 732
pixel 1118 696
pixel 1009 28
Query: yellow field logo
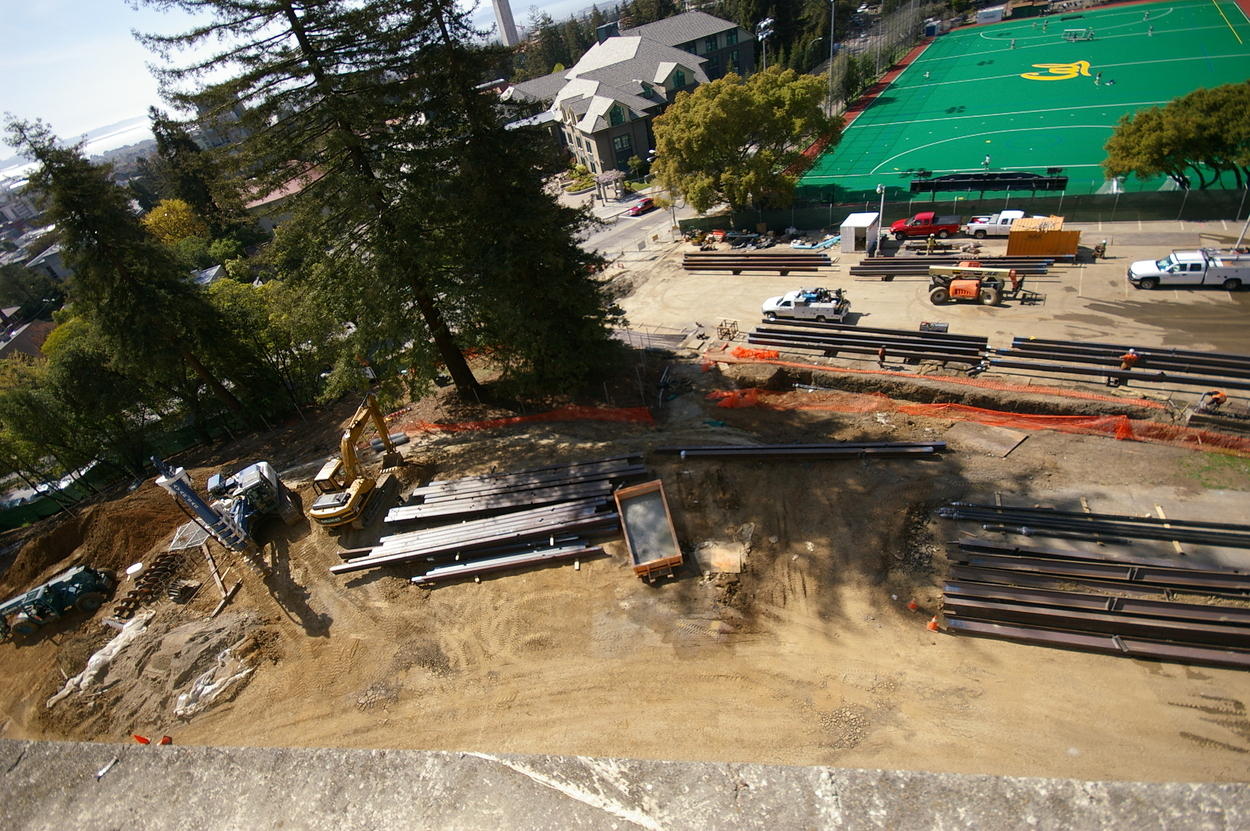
pixel 1058 71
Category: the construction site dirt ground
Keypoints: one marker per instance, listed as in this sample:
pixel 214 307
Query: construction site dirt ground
pixel 809 655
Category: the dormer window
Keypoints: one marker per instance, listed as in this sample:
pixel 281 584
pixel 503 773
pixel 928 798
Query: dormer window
pixel 679 79
pixel 616 116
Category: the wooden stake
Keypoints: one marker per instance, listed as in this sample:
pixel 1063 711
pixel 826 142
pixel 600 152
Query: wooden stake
pixel 226 598
pixel 212 569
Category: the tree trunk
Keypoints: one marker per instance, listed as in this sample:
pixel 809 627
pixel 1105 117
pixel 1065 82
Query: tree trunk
pixel 454 359
pixel 227 397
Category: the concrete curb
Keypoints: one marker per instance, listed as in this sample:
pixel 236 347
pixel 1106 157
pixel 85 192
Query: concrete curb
pixel 53 785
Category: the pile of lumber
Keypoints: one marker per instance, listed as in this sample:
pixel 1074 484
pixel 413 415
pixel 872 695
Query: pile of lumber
pixel 1086 601
pixel 502 521
pixel 890 267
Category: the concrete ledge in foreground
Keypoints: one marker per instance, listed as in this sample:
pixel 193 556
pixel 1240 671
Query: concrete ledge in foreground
pixel 53 785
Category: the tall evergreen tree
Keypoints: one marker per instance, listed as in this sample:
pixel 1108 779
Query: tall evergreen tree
pixel 190 174
pixel 358 105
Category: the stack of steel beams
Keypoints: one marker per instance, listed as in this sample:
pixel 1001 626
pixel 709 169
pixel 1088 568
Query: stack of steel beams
pixel 834 450
pixel 833 338
pixel 499 492
pixel 1154 366
pixel 919 266
pixel 1083 600
pixel 522 518
pixel 781 262
pixel 1048 522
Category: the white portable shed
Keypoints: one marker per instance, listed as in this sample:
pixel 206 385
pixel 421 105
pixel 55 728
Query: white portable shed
pixel 859 231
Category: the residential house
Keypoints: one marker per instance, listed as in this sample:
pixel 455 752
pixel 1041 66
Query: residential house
pixel 605 104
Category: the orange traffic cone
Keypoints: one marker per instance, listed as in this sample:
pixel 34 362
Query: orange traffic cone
pixel 913 605
pixel 932 625
pixel 141 739
pixel 165 740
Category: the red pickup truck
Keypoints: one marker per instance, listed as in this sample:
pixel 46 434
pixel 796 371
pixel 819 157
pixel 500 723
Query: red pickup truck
pixel 925 223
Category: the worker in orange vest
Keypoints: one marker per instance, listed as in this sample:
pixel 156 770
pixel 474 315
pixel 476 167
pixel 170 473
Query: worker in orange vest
pixel 1127 361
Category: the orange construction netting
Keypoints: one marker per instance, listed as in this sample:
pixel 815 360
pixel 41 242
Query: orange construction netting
pixel 636 415
pixel 981 383
pixel 1118 426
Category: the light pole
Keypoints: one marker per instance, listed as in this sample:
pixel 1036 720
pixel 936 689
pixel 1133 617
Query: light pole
pixel 763 31
pixel 833 11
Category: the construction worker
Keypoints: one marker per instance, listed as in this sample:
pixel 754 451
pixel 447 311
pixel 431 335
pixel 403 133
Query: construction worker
pixel 1127 361
pixel 930 244
pixel 881 357
pixel 1211 401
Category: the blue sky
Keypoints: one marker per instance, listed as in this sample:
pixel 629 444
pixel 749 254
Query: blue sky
pixel 74 64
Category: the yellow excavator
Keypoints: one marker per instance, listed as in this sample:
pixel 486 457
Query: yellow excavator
pixel 343 487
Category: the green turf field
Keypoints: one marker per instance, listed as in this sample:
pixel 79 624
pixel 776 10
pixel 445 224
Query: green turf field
pixel 1020 93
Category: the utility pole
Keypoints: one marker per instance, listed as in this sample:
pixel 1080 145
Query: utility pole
pixel 833 11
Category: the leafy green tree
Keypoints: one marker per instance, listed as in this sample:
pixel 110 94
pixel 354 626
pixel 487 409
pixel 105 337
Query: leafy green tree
pixel 128 285
pixel 1204 133
pixel 732 140
pixel 173 220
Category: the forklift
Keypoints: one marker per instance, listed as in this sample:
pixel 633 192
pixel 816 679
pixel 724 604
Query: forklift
pixel 971 282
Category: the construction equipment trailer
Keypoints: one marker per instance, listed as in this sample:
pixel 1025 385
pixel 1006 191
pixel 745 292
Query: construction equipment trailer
pixel 343 486
pixel 81 588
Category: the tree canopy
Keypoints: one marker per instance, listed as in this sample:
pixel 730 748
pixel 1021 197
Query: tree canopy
pixel 372 112
pixel 173 220
pixel 732 140
pixel 1202 135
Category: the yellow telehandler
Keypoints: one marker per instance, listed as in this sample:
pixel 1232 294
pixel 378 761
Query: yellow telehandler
pixel 343 487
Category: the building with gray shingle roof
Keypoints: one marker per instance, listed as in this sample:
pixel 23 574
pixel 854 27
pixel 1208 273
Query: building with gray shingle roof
pixel 605 103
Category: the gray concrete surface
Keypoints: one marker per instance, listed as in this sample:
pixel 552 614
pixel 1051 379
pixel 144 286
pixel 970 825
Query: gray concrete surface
pixel 50 785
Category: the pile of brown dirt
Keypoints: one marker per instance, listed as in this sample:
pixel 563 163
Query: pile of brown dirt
pixel 108 536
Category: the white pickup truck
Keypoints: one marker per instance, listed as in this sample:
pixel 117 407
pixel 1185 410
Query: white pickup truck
pixel 821 305
pixel 994 225
pixel 1228 269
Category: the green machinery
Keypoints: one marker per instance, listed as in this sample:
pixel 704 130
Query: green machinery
pixel 81 588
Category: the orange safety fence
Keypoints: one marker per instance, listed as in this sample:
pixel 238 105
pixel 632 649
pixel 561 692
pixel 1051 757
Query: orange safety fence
pixel 1118 426
pixel 635 415
pixel 980 383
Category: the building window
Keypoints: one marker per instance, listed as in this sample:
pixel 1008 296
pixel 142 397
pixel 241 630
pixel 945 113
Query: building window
pixel 623 148
pixel 679 79
pixel 712 67
pixel 709 44
pixel 731 37
pixel 616 116
pixel 689 47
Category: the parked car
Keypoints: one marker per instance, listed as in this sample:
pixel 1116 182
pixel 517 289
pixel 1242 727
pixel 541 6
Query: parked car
pixel 640 207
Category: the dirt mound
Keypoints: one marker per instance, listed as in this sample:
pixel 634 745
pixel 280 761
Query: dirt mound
pixel 111 536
